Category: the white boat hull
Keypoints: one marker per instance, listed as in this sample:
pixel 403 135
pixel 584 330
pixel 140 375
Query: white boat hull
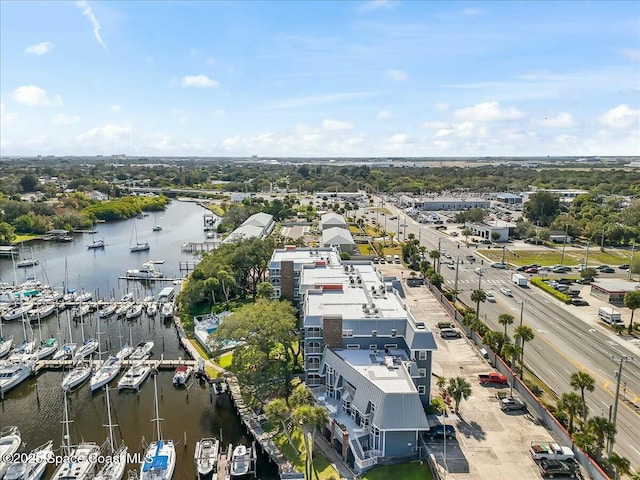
pixel 34 468
pixel 10 441
pixel 12 374
pixel 76 377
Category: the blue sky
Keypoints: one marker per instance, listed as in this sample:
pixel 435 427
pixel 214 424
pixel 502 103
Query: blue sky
pixel 370 78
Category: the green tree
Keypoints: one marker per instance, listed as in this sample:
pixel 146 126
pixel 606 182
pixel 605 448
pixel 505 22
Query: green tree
pixel 582 381
pixel 310 418
pixel 632 301
pixel 523 333
pixel 505 319
pixel 435 256
pixel 634 265
pixel 278 411
pixel 620 464
pixel 601 429
pixel 7 233
pixel 458 389
pixel 466 232
pixel 589 272
pixel 542 207
pixel 495 236
pixel 28 183
pixel 265 290
pixel 571 404
pixel 511 353
pixel 478 296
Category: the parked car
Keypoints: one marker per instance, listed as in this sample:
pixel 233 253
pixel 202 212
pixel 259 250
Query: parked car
pixel 501 266
pixel 579 302
pixel 585 280
pixel 560 269
pixel 531 270
pixel 550 451
pixel 512 404
pixel 492 377
pixel 451 266
pixel 442 431
pixel 558 468
pixel 564 281
pixel 506 291
pixel 624 266
pixel 450 333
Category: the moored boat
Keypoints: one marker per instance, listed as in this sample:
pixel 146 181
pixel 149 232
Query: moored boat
pixel 167 310
pixel 206 457
pixel 114 468
pixel 134 311
pixel 96 244
pixel 42 312
pixel 46 348
pixel 134 376
pixel 18 312
pixel 34 464
pixel 10 441
pixel 142 350
pixel 108 310
pixel 240 461
pixel 76 376
pixel 87 348
pixel 13 373
pixel 65 352
pixel 152 309
pixel 106 373
pixel 181 375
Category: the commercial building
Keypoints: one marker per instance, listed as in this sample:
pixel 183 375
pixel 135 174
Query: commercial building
pixel 507 198
pixel 454 204
pixel 613 292
pixel 486 230
pixel 338 237
pixel 258 225
pixel 331 220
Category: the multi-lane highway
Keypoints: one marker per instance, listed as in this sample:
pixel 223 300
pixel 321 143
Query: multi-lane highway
pixel 567 338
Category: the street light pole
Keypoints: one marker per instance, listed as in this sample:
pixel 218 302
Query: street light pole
pixel 522 302
pixel 633 254
pixel 623 359
pixel 455 284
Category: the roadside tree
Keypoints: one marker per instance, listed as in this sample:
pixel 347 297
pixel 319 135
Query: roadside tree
pixel 582 381
pixel 459 389
pixel 632 301
pixel 523 333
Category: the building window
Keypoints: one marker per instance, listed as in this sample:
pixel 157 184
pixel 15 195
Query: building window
pixel 353 346
pixel 313 332
pixel 422 355
pixel 393 332
pixel 374 333
pixel 391 346
pixel 422 372
pixel 422 389
pixel 373 346
pixel 347 333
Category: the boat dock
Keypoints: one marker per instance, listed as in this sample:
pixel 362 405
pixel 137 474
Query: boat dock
pixel 223 465
pixel 161 364
pixel 198 246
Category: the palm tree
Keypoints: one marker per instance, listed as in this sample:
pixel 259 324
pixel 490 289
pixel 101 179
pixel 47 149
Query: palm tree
pixel 601 428
pixel 571 403
pixel 511 352
pixel 478 296
pixel 459 389
pixel 300 396
pixel 620 464
pixel 632 301
pixel 434 255
pixel 493 339
pixel 310 418
pixel 524 333
pixel 582 381
pixel 505 319
pixel 278 411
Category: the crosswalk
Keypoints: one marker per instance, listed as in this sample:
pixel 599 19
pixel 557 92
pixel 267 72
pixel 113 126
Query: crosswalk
pixel 475 282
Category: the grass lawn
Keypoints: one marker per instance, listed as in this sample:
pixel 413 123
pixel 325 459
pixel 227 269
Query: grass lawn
pixel 225 360
pixel 552 257
pixel 322 469
pixel 404 471
pixel 24 238
pixel 365 249
pixel 355 230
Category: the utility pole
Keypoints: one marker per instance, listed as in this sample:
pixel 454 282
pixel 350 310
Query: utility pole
pixel 623 359
pixel 564 242
pixel 602 240
pixel 439 252
pixel 633 254
pixel 503 250
pixel 586 257
pixel 522 302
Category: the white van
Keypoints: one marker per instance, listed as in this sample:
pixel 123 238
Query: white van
pixel 389 259
pixel 396 259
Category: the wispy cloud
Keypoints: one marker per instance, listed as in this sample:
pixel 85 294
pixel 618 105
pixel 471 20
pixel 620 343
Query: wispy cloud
pixel 322 99
pixel 39 48
pixel 621 116
pixel 6 118
pixel 108 132
pixel 198 81
pixel 631 54
pixel 384 114
pixel 62 119
pixel 34 96
pixel 88 12
pixel 372 5
pixel 397 75
pixel 487 112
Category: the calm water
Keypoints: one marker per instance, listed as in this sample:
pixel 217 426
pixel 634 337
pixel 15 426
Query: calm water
pixel 36 406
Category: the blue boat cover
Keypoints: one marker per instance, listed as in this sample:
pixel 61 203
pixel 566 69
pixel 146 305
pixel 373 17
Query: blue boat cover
pixel 158 462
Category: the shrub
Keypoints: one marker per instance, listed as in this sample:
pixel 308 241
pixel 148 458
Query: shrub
pixel 549 289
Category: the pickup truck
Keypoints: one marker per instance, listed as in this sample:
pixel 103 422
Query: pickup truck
pixel 492 377
pixel 550 451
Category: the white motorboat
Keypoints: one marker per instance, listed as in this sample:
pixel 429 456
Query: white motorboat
pixel 10 441
pixel 147 271
pixel 122 309
pixel 181 375
pixel 152 309
pixel 34 465
pixel 82 459
pixel 134 311
pixel 42 312
pixel 206 457
pixel 76 376
pixel 114 468
pixel 96 244
pixel 125 352
pixel 18 312
pixel 22 351
pixel 80 311
pixel 106 373
pixel 87 348
pixel 157 228
pixel 45 349
pixel 5 345
pixel 134 376
pixel 65 352
pixel 13 373
pixel 160 456
pixel 127 297
pixel 108 310
pixel 27 262
pixel 77 296
pixel 142 351
pixel 240 461
pixel 167 310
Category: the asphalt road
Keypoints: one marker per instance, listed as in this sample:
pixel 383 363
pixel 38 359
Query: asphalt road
pixel 567 338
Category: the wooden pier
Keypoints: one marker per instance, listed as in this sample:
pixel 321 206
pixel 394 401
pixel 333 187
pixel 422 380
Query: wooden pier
pixel 160 364
pixel 199 246
pixel 222 471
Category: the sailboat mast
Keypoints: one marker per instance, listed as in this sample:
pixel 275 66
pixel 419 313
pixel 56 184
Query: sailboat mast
pixel 110 425
pixel 66 438
pixel 155 396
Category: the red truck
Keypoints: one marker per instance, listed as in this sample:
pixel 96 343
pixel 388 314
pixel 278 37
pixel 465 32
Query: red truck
pixel 493 377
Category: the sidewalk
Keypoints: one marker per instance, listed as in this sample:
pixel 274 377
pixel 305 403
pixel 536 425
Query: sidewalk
pixel 334 458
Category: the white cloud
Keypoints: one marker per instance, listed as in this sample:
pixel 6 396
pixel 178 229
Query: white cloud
pixel 115 108
pixel 487 112
pixel 435 124
pixel 561 120
pixel 397 75
pixel 631 54
pixel 88 12
pixel 322 99
pixel 400 139
pixel 384 114
pixel 464 130
pixel 34 96
pixel 62 119
pixel 565 139
pixel 198 81
pixel 39 48
pixel 6 118
pixel 334 125
pixel 107 132
pixel 621 116
pixel 442 107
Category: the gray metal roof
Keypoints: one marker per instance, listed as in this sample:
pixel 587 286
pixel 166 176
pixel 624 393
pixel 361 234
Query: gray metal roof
pixel 337 236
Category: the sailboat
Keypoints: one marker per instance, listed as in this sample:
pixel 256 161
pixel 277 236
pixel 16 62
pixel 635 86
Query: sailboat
pixel 127 349
pixel 114 469
pixel 5 342
pixel 160 457
pixel 68 349
pixel 10 442
pixel 33 466
pixel 88 346
pixel 107 371
pixel 138 246
pixel 25 349
pixel 95 243
pixel 80 462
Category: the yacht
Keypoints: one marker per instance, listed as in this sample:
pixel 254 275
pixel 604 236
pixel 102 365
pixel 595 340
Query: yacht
pixel 13 373
pixel 81 464
pixel 152 309
pixel 206 457
pixel 160 457
pixel 96 244
pixel 123 308
pixel 45 349
pixel 142 351
pixel 22 351
pixel 18 312
pixel 65 352
pixel 147 271
pixel 167 310
pixel 181 375
pixel 124 352
pixel 134 311
pixel 34 465
pixel 87 348
pixel 107 372
pixel 240 461
pixel 134 376
pixel 76 376
pixel 114 468
pixel 108 310
pixel 42 312
pixel 139 247
pixel 10 442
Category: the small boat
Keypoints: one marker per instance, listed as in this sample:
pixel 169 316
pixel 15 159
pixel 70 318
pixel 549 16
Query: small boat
pixel 42 312
pixel 142 351
pixel 18 312
pixel 206 457
pixel 157 228
pixel 34 465
pixel 106 373
pixel 139 247
pixel 147 271
pixel 181 375
pixel 13 373
pixel 87 348
pixel 10 442
pixel 134 311
pixel 219 387
pixel 80 311
pixel 76 376
pixel 167 310
pixel 83 296
pixel 122 309
pixel 240 461
pixel 160 456
pixel 147 299
pixel 134 376
pixel 65 352
pixel 5 345
pixel 127 297
pixel 109 310
pixel 152 309
pixel 96 244
pixel 45 349
pixel 27 262
pixel 22 351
